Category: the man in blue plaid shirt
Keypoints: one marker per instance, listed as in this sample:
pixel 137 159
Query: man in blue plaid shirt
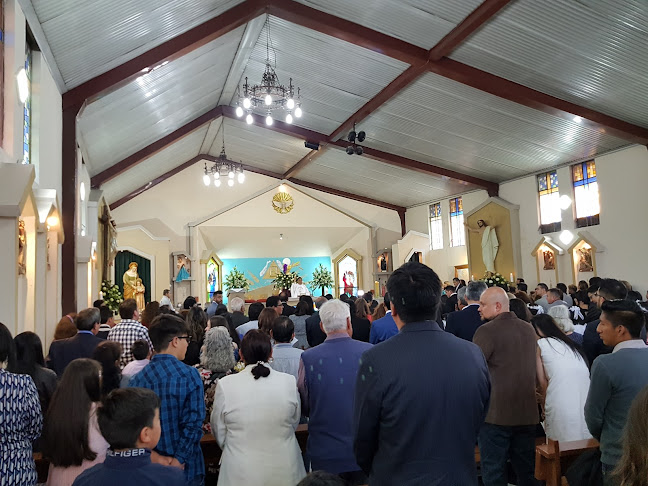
pixel 181 395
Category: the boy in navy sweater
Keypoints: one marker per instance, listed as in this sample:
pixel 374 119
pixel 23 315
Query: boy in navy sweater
pixel 129 420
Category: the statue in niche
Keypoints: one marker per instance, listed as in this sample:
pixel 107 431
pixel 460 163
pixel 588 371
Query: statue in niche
pixel 22 248
pixel 489 243
pixel 549 262
pixel 133 286
pixel 585 262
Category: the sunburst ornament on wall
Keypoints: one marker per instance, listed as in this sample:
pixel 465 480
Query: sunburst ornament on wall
pixel 282 202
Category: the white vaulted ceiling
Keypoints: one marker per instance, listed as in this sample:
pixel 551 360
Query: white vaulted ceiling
pixel 592 54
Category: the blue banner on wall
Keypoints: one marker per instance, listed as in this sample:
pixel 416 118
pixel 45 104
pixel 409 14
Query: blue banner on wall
pixel 260 272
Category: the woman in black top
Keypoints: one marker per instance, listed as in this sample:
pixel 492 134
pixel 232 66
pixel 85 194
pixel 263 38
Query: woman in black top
pixel 30 361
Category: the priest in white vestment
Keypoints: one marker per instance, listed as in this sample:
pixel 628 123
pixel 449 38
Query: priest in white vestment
pixel 298 288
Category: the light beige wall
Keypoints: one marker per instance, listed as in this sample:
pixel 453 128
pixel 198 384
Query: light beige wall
pixel 622 180
pixel 140 241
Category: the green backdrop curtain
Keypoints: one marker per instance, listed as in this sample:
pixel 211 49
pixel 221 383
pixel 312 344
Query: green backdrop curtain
pixel 122 260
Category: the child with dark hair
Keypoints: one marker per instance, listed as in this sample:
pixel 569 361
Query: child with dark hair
pixel 108 354
pixel 142 355
pixel 129 419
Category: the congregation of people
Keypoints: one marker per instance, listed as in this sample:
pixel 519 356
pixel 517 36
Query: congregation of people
pixel 397 392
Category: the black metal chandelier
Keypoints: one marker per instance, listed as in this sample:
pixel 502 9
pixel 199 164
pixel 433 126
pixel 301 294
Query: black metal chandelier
pixel 270 95
pixel 223 168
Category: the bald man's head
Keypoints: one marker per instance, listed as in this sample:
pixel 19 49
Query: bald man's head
pixel 492 303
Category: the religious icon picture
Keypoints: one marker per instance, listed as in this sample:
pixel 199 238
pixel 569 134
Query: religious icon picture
pixel 383 262
pixel 347 274
pixel 212 277
pixel 183 261
pixel 22 248
pixel 549 262
pixel 585 262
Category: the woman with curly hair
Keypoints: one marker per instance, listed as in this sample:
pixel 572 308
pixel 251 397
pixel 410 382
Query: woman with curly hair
pixel 216 361
pixel 196 323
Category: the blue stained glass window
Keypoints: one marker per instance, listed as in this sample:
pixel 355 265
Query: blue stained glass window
pixel 436 226
pixel 457 231
pixel 27 108
pixel 550 215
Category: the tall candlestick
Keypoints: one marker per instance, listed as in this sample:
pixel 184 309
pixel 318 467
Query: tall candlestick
pixel 511 277
pixel 472 277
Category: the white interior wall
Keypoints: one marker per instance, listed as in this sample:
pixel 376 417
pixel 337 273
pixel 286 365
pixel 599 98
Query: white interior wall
pixel 622 178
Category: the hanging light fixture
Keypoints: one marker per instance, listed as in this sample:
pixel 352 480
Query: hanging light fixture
pixel 270 95
pixel 225 167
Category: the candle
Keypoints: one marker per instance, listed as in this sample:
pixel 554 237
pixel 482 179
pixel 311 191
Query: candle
pixel 472 277
pixel 511 277
pixel 376 287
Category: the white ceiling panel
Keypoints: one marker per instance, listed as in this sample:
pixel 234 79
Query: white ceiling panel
pixel 155 104
pixel 420 22
pixel 367 177
pixel 336 78
pixel 259 147
pixel 160 163
pixel 442 122
pixel 91 37
pixel 593 53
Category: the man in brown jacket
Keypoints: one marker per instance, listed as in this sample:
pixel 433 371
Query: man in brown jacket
pixel 509 346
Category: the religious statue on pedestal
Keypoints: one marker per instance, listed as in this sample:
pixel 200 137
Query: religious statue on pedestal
pixel 133 286
pixel 489 243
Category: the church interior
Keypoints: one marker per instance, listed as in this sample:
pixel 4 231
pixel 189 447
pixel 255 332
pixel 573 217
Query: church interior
pixel 220 143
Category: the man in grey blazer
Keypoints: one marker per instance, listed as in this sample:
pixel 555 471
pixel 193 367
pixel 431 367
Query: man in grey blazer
pixel 421 396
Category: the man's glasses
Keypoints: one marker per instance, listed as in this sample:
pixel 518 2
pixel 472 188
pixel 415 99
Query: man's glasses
pixel 184 337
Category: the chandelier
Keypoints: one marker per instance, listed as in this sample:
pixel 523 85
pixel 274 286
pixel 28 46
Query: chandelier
pixel 223 168
pixel 269 96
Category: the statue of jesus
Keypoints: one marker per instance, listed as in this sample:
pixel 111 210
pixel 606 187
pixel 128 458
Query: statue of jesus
pixel 489 243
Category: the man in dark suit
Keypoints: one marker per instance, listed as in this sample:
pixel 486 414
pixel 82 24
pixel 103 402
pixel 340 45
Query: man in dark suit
pixel 609 289
pixel 314 333
pixel 82 345
pixel 385 327
pixel 465 322
pixel 421 396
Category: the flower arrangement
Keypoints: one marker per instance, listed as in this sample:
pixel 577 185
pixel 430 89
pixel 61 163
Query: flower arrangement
pixel 322 278
pixel 236 280
pixel 284 279
pixel 496 280
pixel 111 295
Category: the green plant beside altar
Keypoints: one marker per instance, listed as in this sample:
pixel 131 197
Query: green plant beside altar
pixel 496 280
pixel 236 280
pixel 284 280
pixel 322 278
pixel 112 297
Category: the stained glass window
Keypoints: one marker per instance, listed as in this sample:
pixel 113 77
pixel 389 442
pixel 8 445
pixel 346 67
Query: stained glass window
pixel 436 227
pixel 27 108
pixel 457 231
pixel 550 216
pixel 586 194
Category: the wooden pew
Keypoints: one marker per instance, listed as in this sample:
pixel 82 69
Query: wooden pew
pixel 553 458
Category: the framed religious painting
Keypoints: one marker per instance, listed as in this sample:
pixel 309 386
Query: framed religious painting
pixel 347 269
pixel 213 268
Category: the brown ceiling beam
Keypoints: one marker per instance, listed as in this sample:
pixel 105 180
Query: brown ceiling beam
pixel 304 161
pixel 347 30
pixel 168 51
pixel 348 195
pixel 356 34
pixel 531 98
pixel 141 155
pixel 385 157
pixel 422 167
pixel 467 27
pixel 392 89
pixel 256 170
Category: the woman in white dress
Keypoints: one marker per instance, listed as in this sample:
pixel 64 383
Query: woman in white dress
pixel 254 419
pixel 563 378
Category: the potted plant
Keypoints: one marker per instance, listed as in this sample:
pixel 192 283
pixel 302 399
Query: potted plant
pixel 111 295
pixel 235 280
pixel 284 280
pixel 322 278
